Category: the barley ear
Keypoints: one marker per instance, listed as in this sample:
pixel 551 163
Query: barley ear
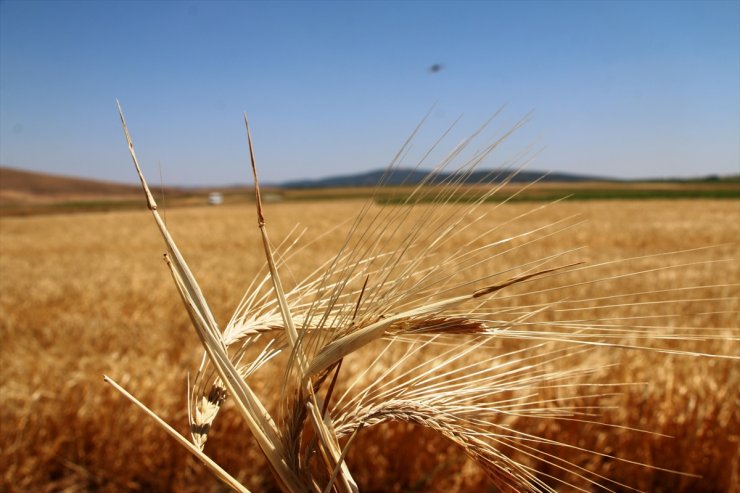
pixel 343 346
pixel 217 470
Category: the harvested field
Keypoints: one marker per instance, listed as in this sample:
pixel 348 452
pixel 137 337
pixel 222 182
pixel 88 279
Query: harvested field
pixel 87 294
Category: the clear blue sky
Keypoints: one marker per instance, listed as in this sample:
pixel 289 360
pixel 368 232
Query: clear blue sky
pixel 625 89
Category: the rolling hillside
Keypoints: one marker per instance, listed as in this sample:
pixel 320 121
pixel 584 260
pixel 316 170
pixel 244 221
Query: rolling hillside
pixel 25 187
pixel 24 192
pixel 410 177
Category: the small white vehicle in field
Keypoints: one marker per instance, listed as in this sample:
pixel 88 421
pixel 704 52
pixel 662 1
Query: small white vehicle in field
pixel 215 198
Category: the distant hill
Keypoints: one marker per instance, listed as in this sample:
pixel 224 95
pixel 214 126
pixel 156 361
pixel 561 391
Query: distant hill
pixel 409 176
pixel 19 187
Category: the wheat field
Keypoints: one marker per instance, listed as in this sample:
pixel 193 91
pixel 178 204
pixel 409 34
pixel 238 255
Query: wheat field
pixel 88 294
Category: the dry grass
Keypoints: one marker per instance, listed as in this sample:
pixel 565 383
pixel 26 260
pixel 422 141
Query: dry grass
pixel 87 294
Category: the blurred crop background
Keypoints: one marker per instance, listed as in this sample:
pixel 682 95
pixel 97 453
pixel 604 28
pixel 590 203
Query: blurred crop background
pixel 84 295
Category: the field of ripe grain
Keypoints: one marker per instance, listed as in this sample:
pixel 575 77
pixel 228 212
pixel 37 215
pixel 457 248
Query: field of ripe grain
pixel 88 294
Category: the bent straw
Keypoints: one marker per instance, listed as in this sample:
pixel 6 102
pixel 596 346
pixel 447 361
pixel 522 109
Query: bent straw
pixel 258 419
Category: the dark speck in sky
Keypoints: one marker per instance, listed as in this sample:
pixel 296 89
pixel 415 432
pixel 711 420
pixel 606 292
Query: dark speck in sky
pixel 437 67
